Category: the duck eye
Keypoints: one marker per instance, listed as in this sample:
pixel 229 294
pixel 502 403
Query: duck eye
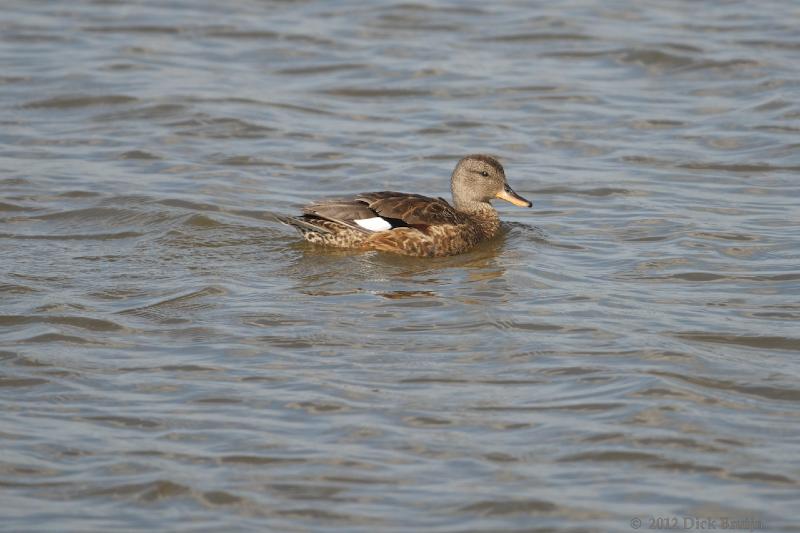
pixel 485 174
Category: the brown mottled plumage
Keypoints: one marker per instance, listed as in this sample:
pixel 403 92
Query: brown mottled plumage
pixel 412 224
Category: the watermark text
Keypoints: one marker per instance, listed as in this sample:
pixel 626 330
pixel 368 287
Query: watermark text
pixel 698 523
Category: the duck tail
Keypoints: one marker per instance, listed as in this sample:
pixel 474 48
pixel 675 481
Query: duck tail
pixel 301 224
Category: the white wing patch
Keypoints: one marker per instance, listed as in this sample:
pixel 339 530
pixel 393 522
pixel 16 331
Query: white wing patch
pixel 374 224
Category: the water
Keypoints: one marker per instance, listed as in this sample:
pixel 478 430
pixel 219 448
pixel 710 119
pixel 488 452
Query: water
pixel 173 359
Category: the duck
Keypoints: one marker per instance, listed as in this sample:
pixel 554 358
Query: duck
pixel 412 224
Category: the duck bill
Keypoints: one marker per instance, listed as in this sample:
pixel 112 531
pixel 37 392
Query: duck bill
pixel 509 195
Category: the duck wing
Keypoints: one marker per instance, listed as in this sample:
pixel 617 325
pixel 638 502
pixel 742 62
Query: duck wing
pixel 380 211
pixel 411 209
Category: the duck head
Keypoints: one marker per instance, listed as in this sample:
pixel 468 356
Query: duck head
pixel 478 179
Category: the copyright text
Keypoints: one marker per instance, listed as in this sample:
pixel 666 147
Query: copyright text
pixel 696 523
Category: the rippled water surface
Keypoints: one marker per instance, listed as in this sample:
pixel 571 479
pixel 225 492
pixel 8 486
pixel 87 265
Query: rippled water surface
pixel 173 359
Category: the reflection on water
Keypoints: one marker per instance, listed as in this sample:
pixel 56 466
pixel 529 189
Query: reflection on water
pixel 625 349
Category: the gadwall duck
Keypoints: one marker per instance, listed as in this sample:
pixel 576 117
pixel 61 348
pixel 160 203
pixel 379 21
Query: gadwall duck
pixel 411 224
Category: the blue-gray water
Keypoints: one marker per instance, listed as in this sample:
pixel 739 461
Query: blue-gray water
pixel 172 359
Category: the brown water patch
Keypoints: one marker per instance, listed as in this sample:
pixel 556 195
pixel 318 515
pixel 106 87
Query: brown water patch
pixel 79 237
pixel 126 422
pixel 612 456
pixel 72 102
pixel 763 477
pixel 753 341
pixel 772 393
pixel 59 338
pixel 151 491
pixel 259 460
pixel 220 497
pixel 354 92
pixel 138 154
pixel 92 324
pixel 320 69
pixel 579 407
pixel 12 381
pixel 541 36
pixel 500 507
